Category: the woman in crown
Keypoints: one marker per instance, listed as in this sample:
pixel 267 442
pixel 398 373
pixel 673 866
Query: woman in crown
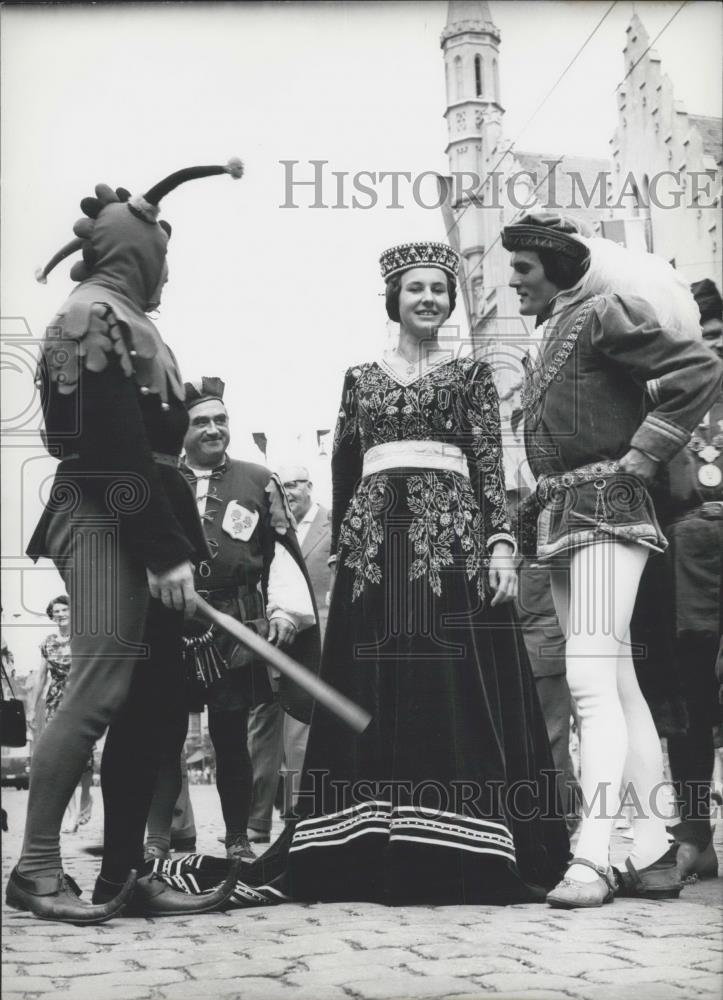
pixel 442 798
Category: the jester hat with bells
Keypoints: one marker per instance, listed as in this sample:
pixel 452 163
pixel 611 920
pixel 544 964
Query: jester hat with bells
pixel 121 274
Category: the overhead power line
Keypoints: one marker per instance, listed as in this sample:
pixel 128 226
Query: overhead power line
pixel 537 110
pixel 539 107
pixel 643 54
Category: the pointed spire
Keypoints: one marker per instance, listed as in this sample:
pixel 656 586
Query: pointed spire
pixel 468 10
pixel 469 16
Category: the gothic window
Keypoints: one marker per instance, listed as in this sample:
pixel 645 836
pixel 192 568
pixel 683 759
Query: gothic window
pixel 478 76
pixel 459 82
pixel 495 80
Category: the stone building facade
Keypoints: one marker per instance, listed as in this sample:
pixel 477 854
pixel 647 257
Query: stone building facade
pixel 667 167
pixel 626 198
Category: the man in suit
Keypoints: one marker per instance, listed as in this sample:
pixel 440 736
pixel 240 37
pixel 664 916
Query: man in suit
pixel 277 741
pixel 313 529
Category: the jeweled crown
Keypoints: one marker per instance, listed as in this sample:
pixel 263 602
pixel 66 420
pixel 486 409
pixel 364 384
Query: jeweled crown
pixel 425 254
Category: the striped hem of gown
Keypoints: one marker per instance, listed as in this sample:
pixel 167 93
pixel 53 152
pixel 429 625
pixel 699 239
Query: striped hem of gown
pixel 183 874
pixel 397 824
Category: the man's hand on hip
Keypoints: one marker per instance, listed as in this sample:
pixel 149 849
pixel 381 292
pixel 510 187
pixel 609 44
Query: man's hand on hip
pixel 638 463
pixel 281 632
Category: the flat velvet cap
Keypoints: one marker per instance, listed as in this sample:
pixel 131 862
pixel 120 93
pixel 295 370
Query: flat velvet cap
pixel 546 231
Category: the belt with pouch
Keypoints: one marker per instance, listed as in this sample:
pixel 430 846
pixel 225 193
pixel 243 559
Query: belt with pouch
pixel 247 602
pixel 210 652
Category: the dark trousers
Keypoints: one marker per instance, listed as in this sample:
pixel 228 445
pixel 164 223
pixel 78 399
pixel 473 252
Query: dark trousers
pixel 123 678
pixel 234 775
pixel 691 754
pixel 546 648
pixel 266 749
pixel 277 744
pixel 556 705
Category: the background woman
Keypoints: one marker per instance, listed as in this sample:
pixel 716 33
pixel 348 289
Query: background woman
pixel 55 663
pixel 594 449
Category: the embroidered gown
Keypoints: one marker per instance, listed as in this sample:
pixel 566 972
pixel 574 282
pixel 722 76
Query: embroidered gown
pixel 441 798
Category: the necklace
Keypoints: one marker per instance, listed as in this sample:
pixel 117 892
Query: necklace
pixel 409 366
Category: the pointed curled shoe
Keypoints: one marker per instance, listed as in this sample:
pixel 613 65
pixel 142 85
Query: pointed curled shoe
pixel 153 897
pixel 661 880
pixel 55 897
pixel 569 894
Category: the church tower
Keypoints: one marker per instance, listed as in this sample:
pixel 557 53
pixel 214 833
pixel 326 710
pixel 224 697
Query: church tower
pixel 470 43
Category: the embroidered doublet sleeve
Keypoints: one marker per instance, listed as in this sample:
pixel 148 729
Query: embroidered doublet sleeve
pixel 346 459
pixel 483 448
pixel 681 377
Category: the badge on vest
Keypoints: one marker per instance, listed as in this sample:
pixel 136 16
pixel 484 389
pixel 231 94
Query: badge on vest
pixel 238 522
pixel 710 475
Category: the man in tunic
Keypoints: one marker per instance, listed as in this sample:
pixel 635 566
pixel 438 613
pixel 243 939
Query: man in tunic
pixel 256 574
pixel 595 446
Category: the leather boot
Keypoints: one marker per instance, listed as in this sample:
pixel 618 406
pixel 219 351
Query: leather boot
pixel 692 860
pixel 55 897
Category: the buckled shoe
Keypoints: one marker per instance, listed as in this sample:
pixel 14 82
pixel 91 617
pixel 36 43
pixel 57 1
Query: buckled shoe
pixel 569 894
pixel 661 880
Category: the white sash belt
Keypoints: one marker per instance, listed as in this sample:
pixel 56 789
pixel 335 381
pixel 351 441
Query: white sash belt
pixel 415 455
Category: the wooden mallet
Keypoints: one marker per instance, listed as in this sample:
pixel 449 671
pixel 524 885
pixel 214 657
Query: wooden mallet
pixel 345 709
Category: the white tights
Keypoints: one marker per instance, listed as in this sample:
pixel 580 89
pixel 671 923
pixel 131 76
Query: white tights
pixel 619 745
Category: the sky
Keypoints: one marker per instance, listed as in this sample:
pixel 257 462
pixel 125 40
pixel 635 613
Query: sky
pixel 277 300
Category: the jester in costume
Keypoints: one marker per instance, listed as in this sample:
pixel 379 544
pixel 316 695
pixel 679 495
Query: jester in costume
pixel 122 528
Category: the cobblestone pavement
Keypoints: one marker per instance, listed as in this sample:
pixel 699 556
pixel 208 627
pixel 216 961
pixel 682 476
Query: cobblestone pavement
pixel 668 950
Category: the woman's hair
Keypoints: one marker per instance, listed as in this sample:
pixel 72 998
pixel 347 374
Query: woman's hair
pixel 394 286
pixel 63 599
pixel 563 272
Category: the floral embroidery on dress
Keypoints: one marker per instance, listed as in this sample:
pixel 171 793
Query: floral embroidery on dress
pixel 451 517
pixel 445 511
pixel 362 532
